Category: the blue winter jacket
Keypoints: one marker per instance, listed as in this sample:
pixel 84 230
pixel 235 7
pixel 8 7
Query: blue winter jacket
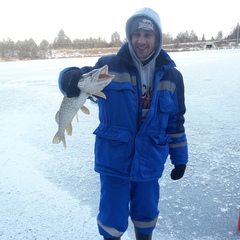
pixel 126 146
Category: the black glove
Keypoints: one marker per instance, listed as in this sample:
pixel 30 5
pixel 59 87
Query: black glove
pixel 178 171
pixel 69 82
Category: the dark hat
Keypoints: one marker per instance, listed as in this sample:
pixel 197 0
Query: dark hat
pixel 143 23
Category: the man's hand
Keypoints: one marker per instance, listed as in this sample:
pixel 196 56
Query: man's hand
pixel 178 171
pixel 70 82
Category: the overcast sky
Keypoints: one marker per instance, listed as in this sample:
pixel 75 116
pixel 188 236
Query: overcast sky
pixel 24 19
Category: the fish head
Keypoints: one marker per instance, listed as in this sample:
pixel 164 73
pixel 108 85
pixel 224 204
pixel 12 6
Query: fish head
pixel 95 81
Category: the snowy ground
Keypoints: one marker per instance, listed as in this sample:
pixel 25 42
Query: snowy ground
pixel 47 192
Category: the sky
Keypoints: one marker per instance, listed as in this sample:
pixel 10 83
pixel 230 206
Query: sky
pixel 20 20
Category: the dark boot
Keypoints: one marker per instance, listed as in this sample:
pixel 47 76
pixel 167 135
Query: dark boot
pixel 141 236
pixel 112 238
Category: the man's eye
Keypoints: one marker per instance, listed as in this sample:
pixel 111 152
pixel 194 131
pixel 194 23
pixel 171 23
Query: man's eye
pixel 148 35
pixel 136 34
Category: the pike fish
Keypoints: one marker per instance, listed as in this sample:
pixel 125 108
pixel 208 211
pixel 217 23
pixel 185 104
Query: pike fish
pixel 91 84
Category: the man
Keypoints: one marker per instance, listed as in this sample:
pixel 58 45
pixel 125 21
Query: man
pixel 141 123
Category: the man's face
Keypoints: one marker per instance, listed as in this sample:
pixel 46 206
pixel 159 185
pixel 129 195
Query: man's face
pixel 143 42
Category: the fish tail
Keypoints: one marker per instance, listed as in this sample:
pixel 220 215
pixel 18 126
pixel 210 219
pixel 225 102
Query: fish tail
pixel 58 138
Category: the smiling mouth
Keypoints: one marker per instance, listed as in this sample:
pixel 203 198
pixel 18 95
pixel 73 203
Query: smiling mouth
pixel 141 48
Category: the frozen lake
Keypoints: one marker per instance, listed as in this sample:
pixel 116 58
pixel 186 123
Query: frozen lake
pixel 47 192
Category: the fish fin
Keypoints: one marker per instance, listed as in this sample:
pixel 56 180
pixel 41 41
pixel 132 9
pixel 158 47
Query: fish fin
pixel 57 139
pixel 85 110
pixel 57 117
pixel 69 129
pixel 77 116
pixel 94 98
pixel 100 94
pixel 64 142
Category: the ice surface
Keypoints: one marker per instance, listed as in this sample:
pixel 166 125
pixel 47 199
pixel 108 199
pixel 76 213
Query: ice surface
pixel 47 192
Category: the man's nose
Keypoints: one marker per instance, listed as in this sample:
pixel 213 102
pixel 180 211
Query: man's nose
pixel 141 39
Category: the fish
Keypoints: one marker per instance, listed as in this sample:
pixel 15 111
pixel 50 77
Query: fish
pixel 91 84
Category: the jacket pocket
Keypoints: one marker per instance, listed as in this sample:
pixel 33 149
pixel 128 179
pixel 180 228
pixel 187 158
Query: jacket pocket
pixel 154 152
pixel 166 106
pixel 166 103
pixel 112 148
pixel 158 148
pixel 160 139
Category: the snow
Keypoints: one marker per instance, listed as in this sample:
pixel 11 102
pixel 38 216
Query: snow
pixel 47 192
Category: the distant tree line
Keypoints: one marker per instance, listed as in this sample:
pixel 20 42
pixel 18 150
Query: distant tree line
pixel 28 49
